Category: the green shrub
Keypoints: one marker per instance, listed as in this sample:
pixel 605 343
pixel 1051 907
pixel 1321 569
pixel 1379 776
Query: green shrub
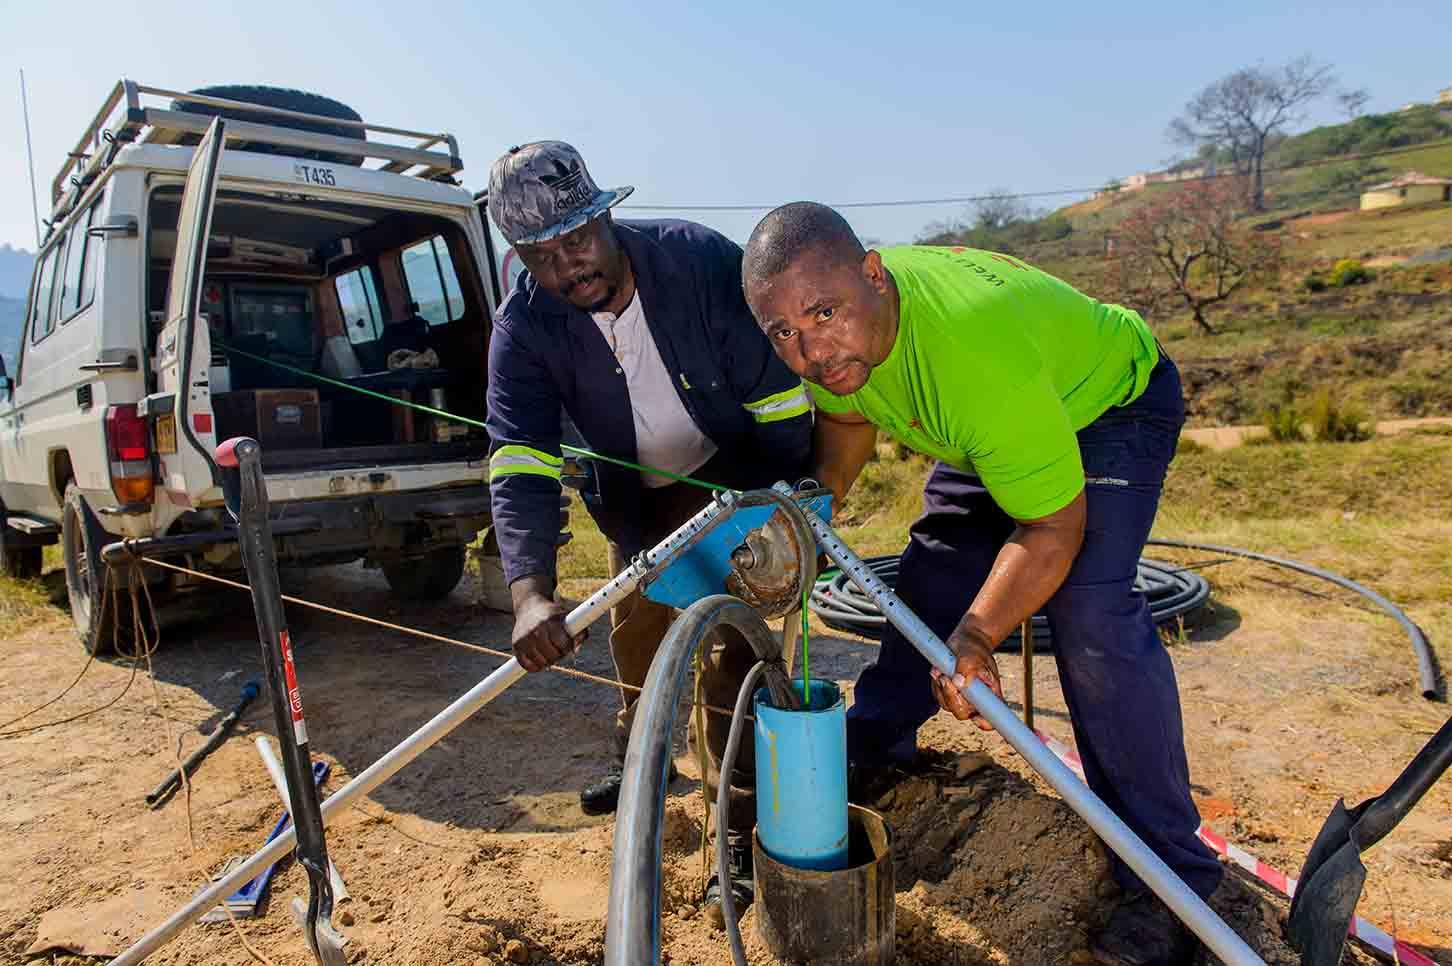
pixel 1315 283
pixel 1333 422
pixel 1283 421
pixel 1348 271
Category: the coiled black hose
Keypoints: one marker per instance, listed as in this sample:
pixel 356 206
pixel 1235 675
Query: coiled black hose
pixel 1426 661
pixel 1172 592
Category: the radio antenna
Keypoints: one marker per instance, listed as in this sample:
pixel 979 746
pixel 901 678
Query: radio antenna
pixel 30 157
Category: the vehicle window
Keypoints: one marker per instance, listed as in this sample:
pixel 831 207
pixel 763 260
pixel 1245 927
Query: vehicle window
pixel 79 252
pixel 42 315
pixel 358 298
pixel 276 320
pixel 432 282
pixel 86 291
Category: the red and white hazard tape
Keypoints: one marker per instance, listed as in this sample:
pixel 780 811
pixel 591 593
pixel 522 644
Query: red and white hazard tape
pixel 1366 931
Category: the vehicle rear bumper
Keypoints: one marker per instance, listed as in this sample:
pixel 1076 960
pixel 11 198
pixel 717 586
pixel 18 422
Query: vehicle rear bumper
pixel 381 524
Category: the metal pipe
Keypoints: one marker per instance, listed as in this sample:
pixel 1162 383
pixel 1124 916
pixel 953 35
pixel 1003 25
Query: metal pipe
pixel 463 708
pixel 1426 664
pixel 1190 908
pixel 632 931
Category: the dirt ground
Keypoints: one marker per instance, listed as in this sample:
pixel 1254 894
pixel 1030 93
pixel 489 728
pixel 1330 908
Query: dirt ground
pixel 478 853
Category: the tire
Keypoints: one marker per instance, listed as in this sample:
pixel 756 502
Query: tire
pixel 20 563
pixel 94 620
pixel 287 99
pixel 429 577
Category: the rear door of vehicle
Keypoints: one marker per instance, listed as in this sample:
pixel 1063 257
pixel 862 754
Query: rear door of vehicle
pixel 503 265
pixel 185 432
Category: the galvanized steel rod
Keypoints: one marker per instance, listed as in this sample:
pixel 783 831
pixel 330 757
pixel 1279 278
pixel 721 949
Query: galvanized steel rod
pixel 1189 907
pixel 463 708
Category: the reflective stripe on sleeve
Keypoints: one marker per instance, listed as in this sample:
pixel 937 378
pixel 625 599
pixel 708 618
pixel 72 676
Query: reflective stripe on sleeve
pixel 782 405
pixel 512 459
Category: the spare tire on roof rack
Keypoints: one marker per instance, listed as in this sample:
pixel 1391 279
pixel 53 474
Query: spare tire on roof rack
pixel 285 99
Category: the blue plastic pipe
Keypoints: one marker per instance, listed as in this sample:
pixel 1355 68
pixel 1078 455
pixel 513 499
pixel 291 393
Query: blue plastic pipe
pixel 801 779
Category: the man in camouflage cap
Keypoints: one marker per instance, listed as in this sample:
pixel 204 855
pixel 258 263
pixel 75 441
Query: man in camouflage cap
pixel 640 332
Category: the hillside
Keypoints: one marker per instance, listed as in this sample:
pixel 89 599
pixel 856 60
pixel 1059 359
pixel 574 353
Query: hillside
pixel 15 264
pixel 1384 346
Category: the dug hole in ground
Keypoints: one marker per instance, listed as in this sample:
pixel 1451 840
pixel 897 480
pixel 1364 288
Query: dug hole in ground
pixel 478 853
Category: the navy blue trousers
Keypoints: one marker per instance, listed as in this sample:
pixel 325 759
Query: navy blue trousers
pixel 1116 676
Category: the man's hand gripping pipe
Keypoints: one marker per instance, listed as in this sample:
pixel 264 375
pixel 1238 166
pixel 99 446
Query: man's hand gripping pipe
pixel 463 708
pixel 1191 909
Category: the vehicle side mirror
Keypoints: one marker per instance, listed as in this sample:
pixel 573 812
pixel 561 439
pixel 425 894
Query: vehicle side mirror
pixel 7 385
pixel 125 226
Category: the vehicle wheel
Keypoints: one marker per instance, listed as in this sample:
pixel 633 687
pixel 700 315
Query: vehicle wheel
pixel 86 584
pixel 428 577
pixel 22 563
pixel 287 99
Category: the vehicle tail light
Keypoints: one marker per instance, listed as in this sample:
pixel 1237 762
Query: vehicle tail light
pixel 128 443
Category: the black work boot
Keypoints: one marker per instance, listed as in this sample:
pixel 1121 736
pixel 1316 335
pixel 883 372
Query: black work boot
pixel 1142 931
pixel 739 869
pixel 601 796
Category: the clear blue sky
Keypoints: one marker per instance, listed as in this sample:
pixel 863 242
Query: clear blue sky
pixel 739 101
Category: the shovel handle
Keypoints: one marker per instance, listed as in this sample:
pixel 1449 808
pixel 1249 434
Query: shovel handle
pixel 1380 815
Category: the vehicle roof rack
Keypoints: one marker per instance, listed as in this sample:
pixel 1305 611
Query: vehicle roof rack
pixel 130 115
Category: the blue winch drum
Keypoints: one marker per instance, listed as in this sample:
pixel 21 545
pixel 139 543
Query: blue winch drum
pixel 801 779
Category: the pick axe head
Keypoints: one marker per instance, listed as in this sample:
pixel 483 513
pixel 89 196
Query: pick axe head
pixel 1328 890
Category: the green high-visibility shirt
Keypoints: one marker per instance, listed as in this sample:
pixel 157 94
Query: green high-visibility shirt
pixel 995 367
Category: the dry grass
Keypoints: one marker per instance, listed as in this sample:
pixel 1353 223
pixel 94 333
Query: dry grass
pixel 24 604
pixel 1379 512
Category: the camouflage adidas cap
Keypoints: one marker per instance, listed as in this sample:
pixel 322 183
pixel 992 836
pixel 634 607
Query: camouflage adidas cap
pixel 540 191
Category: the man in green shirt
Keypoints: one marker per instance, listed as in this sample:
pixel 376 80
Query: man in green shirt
pixel 1053 418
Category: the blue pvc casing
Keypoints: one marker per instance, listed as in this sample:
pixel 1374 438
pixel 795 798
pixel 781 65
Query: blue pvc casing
pixel 801 779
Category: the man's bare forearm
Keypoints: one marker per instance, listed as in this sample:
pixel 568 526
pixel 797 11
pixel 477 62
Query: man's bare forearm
pixel 531 587
pixel 839 451
pixel 1029 568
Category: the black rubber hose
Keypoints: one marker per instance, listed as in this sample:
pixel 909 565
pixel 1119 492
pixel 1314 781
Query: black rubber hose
pixel 1172 592
pixel 632 930
pixel 1426 661
pixel 723 806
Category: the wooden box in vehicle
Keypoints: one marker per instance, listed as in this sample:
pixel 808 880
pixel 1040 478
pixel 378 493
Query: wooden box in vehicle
pixel 276 418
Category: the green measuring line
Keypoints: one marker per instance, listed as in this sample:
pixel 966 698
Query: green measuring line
pixel 573 450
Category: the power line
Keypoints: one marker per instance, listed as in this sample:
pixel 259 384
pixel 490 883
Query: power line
pixel 965 199
pixel 971 199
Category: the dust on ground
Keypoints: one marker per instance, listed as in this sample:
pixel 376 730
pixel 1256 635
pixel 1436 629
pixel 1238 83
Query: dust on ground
pixel 478 854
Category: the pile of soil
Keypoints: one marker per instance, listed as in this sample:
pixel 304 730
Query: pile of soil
pixel 988 870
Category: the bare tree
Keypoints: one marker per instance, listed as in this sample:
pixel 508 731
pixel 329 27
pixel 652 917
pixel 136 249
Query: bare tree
pixel 1353 102
pixel 1242 113
pixel 999 210
pixel 1188 248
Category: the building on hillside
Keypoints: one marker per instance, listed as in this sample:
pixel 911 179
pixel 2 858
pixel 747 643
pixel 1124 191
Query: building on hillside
pixel 1444 97
pixel 1412 188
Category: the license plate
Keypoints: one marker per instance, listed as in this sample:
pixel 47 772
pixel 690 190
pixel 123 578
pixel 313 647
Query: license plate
pixel 166 433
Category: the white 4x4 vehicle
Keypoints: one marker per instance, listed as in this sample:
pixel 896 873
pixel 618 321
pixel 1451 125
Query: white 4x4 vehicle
pixel 207 259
